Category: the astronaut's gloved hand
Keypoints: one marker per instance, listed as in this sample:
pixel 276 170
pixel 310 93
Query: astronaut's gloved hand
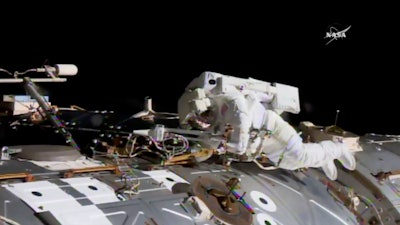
pixel 347 159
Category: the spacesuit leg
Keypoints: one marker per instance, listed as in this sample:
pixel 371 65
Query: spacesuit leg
pixel 285 148
pixel 323 154
pixel 317 154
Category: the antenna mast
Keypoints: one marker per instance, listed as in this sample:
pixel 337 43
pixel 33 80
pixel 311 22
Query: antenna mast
pixel 337 116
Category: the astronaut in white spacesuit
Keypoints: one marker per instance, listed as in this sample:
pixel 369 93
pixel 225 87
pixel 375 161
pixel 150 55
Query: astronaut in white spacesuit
pixel 214 102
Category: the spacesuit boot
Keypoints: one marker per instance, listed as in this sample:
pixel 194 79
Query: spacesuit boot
pixel 330 170
pixel 346 159
pixel 339 151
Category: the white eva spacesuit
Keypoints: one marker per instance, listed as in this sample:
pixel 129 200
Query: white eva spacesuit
pixel 249 107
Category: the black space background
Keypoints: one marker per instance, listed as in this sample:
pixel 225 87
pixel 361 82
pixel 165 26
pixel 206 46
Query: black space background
pixel 126 52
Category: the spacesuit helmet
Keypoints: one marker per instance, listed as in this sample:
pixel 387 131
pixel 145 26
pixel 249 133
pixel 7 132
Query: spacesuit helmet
pixel 201 120
pixel 193 109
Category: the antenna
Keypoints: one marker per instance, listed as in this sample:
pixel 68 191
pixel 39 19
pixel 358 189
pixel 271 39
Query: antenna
pixel 337 116
pixel 148 113
pixel 148 104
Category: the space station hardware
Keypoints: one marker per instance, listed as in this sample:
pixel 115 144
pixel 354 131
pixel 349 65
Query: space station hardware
pixel 53 73
pixel 132 173
pixel 314 133
pixel 45 110
pixel 19 104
